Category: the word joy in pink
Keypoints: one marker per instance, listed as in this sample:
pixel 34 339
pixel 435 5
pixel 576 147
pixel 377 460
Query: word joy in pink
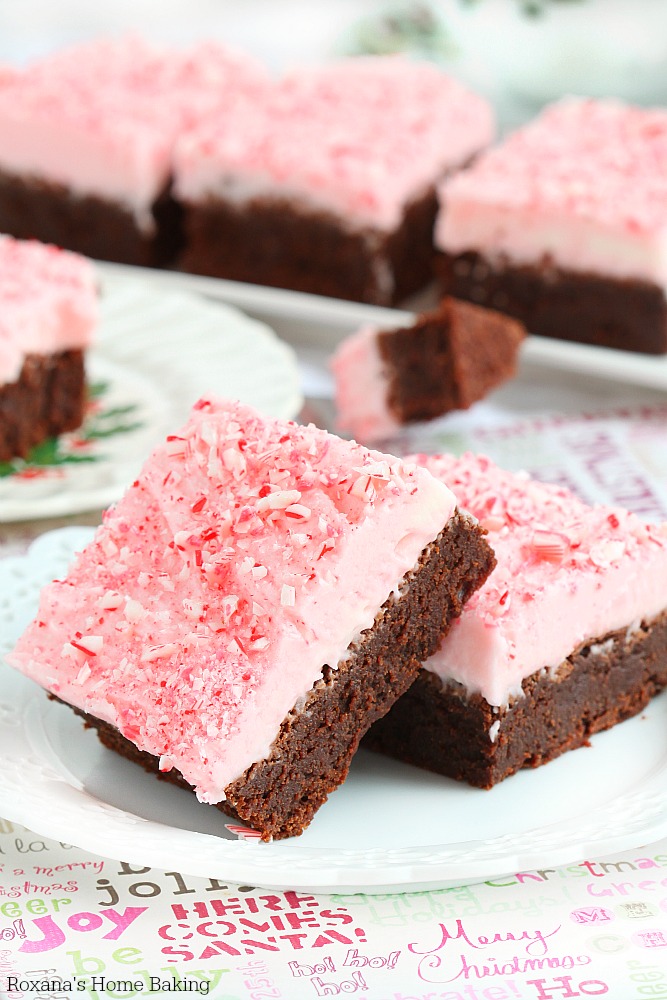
pixel 53 936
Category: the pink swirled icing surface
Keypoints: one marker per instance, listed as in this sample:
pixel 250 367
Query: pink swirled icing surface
pixel 359 137
pixel 249 553
pixel 48 302
pixel 566 573
pixel 583 186
pixel 102 117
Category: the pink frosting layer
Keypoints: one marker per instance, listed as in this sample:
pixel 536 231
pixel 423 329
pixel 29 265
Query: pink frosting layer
pixel 249 553
pixel 48 302
pixel 566 573
pixel 102 118
pixel 360 137
pixel 361 388
pixel 583 186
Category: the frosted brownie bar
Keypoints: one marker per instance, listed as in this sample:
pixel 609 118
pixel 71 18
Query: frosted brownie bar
pixel 567 637
pixel 327 185
pixel 86 140
pixel 262 593
pixel 48 316
pixel 564 225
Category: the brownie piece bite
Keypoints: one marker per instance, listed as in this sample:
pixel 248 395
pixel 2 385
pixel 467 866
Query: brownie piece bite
pixel 260 596
pixel 48 315
pixel 447 359
pixel 567 637
pixel 564 225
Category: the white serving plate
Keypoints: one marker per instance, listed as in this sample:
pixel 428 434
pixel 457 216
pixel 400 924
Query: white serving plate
pixel 389 827
pixel 315 322
pixel 157 351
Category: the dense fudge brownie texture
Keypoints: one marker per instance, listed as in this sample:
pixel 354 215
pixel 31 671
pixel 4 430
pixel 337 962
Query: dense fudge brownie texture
pixel 281 243
pixel 442 729
pixel 627 314
pixel 448 360
pixel 47 399
pixel 90 225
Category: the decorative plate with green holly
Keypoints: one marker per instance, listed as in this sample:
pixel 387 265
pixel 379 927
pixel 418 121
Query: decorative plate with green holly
pixel 157 351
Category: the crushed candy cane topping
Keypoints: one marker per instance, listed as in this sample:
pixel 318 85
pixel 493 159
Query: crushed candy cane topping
pixel 566 573
pixel 582 186
pixel 322 134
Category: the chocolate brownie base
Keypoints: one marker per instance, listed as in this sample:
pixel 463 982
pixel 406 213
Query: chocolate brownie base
pixel 604 682
pixel 450 358
pixel 311 755
pixel 272 241
pixel 47 399
pixel 105 230
pixel 626 314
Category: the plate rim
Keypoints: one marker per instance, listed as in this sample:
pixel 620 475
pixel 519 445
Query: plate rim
pixel 324 321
